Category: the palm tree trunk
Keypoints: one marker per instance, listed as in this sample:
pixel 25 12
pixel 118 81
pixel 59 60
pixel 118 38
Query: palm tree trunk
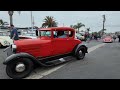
pixel 11 20
pixel 103 27
pixel 78 30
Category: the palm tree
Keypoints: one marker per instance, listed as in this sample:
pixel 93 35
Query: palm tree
pixel 79 25
pixel 1 22
pixel 49 22
pixel 11 14
pixel 88 29
pixel 71 26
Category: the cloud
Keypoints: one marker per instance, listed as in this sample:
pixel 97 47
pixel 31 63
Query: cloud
pixel 92 19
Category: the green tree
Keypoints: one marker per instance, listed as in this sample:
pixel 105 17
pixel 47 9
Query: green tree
pixel 88 29
pixel 1 22
pixel 71 26
pixel 49 22
pixel 11 16
pixel 79 25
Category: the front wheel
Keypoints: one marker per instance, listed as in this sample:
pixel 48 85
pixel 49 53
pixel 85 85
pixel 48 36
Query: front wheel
pixel 80 54
pixel 19 68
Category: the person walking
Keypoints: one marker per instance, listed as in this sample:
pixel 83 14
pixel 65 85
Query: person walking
pixel 119 38
pixel 14 33
pixel 114 37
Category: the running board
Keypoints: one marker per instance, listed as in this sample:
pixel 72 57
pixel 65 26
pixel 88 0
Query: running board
pixel 58 61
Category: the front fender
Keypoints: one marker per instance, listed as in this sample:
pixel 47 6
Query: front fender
pixel 81 45
pixel 17 56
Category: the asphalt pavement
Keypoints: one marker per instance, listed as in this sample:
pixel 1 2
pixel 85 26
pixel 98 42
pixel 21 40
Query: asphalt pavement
pixel 3 74
pixel 103 62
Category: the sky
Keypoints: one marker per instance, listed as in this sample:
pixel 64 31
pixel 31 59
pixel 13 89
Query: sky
pixel 92 19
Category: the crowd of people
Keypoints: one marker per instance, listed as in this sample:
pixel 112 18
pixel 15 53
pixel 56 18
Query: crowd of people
pixel 89 37
pixel 95 36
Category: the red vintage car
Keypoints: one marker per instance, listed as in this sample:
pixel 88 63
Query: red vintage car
pixel 45 50
pixel 108 39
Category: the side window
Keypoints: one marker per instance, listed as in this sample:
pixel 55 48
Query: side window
pixel 60 34
pixel 70 33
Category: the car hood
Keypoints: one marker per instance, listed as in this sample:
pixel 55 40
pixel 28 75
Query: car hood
pixel 6 38
pixel 107 39
pixel 31 42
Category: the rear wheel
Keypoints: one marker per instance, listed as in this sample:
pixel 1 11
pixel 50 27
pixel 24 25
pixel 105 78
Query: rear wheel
pixel 19 68
pixel 80 54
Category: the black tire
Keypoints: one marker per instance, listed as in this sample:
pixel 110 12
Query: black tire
pixel 80 56
pixel 11 72
pixel 1 45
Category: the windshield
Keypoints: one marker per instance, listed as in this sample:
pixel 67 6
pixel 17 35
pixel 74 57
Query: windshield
pixel 45 33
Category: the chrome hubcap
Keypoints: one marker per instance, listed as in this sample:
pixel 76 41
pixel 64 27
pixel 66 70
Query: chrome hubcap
pixel 20 67
pixel 80 52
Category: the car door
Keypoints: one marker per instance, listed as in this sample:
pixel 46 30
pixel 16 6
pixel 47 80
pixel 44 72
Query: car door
pixel 62 45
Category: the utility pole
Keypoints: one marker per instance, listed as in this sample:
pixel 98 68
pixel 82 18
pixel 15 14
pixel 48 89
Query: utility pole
pixel 104 19
pixel 31 21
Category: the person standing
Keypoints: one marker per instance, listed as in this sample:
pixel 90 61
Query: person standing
pixel 14 33
pixel 114 37
pixel 119 37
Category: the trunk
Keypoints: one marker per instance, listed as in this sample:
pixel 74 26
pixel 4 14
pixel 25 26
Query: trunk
pixel 78 30
pixel 11 20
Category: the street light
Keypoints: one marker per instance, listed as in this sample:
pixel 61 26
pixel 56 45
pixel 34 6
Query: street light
pixel 11 19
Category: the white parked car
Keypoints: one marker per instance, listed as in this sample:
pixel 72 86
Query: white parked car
pixel 27 36
pixel 80 36
pixel 5 39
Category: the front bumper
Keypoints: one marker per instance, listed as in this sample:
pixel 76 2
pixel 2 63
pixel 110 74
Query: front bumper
pixel 107 41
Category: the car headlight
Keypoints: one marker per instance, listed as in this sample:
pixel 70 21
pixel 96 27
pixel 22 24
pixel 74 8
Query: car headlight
pixel 14 47
pixel 5 42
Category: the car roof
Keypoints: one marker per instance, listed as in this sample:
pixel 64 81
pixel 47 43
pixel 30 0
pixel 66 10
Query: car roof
pixel 58 29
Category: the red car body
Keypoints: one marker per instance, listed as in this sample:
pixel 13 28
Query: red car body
pixel 44 50
pixel 44 46
pixel 108 39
